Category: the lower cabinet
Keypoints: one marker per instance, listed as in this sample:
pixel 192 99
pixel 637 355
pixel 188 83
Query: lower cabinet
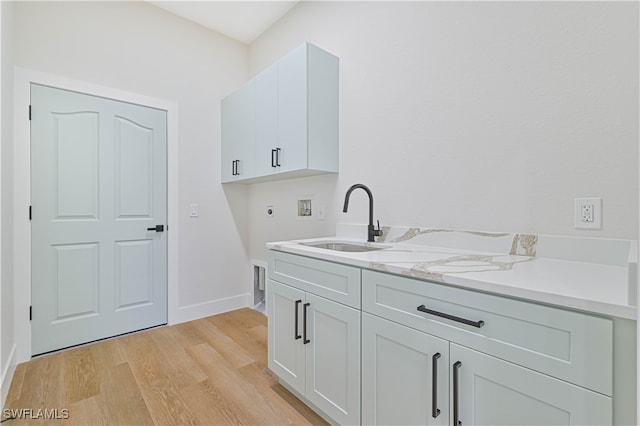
pixel 365 347
pixel 489 391
pixel 411 377
pixel 314 346
pixel 405 375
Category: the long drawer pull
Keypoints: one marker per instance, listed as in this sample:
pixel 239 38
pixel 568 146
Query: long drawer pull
pixel 456 396
pixel 435 412
pixel 477 324
pixel 296 334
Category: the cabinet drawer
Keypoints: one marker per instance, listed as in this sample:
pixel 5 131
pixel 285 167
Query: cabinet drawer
pixel 568 345
pixel 333 281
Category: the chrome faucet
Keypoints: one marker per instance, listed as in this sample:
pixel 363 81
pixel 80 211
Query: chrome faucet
pixel 371 231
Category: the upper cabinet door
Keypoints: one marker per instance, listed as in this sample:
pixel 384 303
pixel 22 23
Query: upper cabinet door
pixel 238 134
pixel 292 107
pixel 266 110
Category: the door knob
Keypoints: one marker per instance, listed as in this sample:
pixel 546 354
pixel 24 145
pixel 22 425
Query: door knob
pixel 157 228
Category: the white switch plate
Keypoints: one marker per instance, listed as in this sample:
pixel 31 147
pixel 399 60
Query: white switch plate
pixel 194 210
pixel 320 213
pixel 588 213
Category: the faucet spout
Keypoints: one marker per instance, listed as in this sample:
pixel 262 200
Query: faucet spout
pixel 371 232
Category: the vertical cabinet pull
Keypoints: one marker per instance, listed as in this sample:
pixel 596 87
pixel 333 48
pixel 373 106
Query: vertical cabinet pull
pixel 435 412
pixel 456 397
pixel 296 334
pixel 234 168
pixel 275 157
pixel 304 323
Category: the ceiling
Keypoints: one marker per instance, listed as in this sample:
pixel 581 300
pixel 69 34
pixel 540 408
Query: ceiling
pixel 241 20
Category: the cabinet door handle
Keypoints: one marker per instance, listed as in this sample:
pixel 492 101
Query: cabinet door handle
pixel 273 158
pixel 278 157
pixel 456 408
pixel 304 323
pixel 233 168
pixel 296 335
pixel 435 412
pixel 477 324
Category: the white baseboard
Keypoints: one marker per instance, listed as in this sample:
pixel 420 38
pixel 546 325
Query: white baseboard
pixel 213 307
pixel 7 375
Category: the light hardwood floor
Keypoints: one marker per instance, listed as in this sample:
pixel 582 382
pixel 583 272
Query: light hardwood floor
pixel 204 372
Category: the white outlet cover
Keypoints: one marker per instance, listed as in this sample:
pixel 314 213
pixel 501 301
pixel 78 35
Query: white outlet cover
pixel 579 221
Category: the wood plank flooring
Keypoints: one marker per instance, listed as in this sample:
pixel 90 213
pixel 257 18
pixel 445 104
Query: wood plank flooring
pixel 205 372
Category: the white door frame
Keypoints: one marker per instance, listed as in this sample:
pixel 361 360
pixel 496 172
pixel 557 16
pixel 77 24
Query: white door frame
pixel 22 191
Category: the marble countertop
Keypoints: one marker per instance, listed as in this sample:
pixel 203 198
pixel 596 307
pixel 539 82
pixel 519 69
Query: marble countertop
pixel 536 268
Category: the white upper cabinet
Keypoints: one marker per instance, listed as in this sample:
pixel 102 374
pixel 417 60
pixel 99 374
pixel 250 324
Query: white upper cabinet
pixel 289 125
pixel 238 130
pixel 266 110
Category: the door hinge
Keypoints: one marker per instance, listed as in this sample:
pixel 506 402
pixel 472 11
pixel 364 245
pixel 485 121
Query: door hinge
pixel 30 313
pixel 29 112
pixel 30 213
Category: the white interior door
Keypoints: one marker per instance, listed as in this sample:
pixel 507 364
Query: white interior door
pixel 98 183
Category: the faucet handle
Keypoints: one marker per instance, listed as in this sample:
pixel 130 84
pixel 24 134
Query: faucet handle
pixel 377 232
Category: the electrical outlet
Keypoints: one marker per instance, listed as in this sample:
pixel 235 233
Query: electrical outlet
pixel 588 213
pixel 270 211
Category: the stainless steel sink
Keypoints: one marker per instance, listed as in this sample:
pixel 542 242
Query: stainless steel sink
pixel 340 246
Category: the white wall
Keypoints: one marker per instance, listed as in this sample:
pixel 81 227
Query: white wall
pixel 472 115
pixel 139 48
pixel 7 329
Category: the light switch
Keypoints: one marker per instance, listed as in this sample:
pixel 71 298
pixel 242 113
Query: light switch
pixel 194 210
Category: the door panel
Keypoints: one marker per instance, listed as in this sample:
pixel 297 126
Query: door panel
pixel 286 351
pixel 134 267
pixel 134 169
pixel 266 100
pixel 75 140
pixel 333 359
pixel 238 129
pixel 292 110
pixel 497 392
pixel 398 375
pixel 75 280
pixel 98 182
